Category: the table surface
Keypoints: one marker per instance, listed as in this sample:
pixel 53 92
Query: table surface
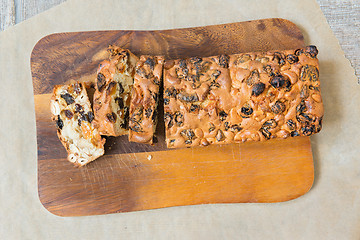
pixel 343 17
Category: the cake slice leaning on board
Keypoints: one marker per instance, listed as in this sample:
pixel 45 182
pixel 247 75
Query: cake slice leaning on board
pixel 242 97
pixel 74 117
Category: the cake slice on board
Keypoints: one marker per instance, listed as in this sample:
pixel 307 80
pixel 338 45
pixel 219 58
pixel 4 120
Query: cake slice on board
pixel 71 110
pixel 145 99
pixel 114 81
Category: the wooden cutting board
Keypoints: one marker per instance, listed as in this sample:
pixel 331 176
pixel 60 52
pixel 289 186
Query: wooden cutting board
pixel 132 177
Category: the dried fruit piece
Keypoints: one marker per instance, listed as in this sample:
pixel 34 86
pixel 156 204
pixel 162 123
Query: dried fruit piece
pixel 194 108
pixel 111 88
pixel 68 114
pixel 298 52
pixel 246 111
pixel 135 126
pixel 154 118
pixel 90 116
pixel 278 107
pixel 59 122
pixel 311 87
pixel 277 81
pixel 182 63
pixel 137 114
pixel 292 58
pixel 222 115
pixel 279 58
pixel 148 112
pixel 220 136
pixel 235 128
pixel 287 85
pixel 304 93
pixel 121 88
pixel 195 60
pixel 211 128
pixel 254 77
pixel 171 92
pixel 305 118
pixel 307 130
pixel 182 96
pixel 150 62
pixel 291 124
pixel 188 134
pixel 215 75
pixel 77 88
pixel 294 133
pixel 68 98
pixel 125 124
pixel 270 124
pixel 268 69
pixel 179 119
pixel 311 51
pixel 78 108
pixel 120 102
pixel 111 117
pixel 265 132
pixel 301 107
pixel 226 126
pixel 168 118
pixel 224 61
pixel 214 85
pixel 309 73
pixel 101 81
pixel 257 89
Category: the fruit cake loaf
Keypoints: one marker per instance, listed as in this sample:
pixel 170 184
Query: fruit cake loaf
pixel 73 115
pixel 112 92
pixel 145 98
pixel 242 97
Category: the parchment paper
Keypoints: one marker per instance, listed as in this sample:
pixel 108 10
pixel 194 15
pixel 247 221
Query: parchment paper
pixel 331 210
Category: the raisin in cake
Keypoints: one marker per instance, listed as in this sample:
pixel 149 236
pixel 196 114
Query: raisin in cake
pixel 242 97
pixel 144 99
pixel 73 115
pixel 113 88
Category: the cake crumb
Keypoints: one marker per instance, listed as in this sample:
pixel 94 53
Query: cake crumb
pixel 149 157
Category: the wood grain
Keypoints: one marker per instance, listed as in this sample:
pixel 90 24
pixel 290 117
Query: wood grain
pixel 253 172
pixel 7 16
pixel 126 178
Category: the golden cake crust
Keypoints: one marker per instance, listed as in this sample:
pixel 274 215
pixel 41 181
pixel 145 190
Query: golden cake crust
pixel 242 97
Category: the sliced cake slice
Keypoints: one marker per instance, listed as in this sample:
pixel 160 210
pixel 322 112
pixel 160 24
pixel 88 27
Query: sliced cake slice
pixel 73 115
pixel 113 86
pixel 145 98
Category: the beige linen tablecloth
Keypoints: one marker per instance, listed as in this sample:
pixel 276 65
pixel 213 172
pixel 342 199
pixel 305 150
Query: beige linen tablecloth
pixel 331 210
